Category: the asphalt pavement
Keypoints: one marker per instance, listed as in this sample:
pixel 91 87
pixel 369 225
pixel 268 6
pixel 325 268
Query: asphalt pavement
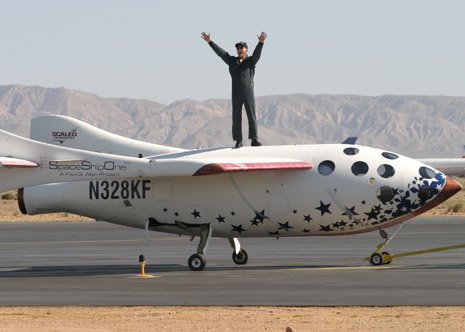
pixel 95 263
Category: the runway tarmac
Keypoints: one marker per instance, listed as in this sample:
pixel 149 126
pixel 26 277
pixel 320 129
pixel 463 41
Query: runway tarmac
pixel 93 263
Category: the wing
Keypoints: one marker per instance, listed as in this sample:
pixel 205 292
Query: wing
pixel 31 163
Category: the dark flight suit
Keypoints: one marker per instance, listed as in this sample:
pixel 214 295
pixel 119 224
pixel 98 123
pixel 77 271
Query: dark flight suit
pixel 242 88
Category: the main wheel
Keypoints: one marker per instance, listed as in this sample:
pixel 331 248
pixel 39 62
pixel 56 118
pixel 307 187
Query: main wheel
pixel 197 262
pixel 376 259
pixel 241 258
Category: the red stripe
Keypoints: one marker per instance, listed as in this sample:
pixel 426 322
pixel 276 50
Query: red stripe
pixel 216 168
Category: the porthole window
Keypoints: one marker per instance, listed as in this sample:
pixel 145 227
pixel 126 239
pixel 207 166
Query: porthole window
pixel 425 193
pixel 351 151
pixel 390 155
pixel 386 171
pixel 385 194
pixel 326 167
pixel 427 172
pixel 359 168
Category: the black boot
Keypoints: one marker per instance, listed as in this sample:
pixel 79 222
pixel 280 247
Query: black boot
pixel 256 142
pixel 238 144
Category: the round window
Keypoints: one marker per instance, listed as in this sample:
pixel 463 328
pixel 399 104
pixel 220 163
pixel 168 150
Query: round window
pixel 386 171
pixel 326 167
pixel 427 172
pixel 385 194
pixel 359 168
pixel 390 155
pixel 351 151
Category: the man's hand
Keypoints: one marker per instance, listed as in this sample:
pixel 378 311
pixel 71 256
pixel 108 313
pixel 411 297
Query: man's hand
pixel 206 37
pixel 261 37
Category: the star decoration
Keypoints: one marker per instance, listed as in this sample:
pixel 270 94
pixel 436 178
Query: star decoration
pixel 372 214
pixel 284 226
pixel 165 209
pixel 176 214
pixel 324 208
pixel 254 222
pixel 364 202
pixel 273 233
pixel 294 211
pixel 307 218
pixel 260 216
pixel 233 213
pixel 306 230
pixel 326 228
pixel 238 229
pixel 196 214
pixel 350 212
pixel 220 218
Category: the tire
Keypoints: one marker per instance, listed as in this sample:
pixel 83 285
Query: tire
pixel 197 262
pixel 376 259
pixel 241 258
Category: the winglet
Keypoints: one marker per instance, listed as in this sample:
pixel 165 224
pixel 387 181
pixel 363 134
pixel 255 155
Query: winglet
pixel 217 168
pixel 350 140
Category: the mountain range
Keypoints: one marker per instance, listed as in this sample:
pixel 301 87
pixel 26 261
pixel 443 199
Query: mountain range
pixel 417 126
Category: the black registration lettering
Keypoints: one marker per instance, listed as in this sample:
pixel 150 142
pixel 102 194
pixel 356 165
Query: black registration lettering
pixel 134 189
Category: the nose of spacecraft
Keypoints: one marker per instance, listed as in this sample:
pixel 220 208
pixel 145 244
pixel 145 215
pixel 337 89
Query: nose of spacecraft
pixel 450 188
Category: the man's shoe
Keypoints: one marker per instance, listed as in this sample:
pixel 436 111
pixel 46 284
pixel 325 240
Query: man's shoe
pixel 256 142
pixel 238 144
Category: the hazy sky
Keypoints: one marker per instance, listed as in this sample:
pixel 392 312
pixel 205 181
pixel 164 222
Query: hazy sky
pixel 153 50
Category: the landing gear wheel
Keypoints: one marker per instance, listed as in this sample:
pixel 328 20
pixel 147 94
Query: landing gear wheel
pixel 376 259
pixel 241 258
pixel 197 262
pixel 386 257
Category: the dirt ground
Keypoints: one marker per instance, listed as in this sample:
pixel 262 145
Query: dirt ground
pixel 180 319
pixel 281 319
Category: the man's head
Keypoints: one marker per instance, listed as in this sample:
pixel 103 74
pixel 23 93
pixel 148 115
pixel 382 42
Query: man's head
pixel 242 49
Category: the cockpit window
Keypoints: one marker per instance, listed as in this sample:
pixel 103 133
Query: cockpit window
pixel 326 167
pixel 385 194
pixel 351 151
pixel 390 155
pixel 427 172
pixel 386 171
pixel 359 168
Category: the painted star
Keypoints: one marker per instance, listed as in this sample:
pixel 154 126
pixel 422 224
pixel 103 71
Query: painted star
pixel 372 214
pixel 284 226
pixel 324 208
pixel 260 216
pixel 238 229
pixel 294 211
pixel 255 222
pixel 176 214
pixel 165 210
pixel 350 212
pixel 307 218
pixel 196 214
pixel 364 202
pixel 220 218
pixel 336 225
pixel 273 233
pixel 233 213
pixel 306 230
pixel 326 228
